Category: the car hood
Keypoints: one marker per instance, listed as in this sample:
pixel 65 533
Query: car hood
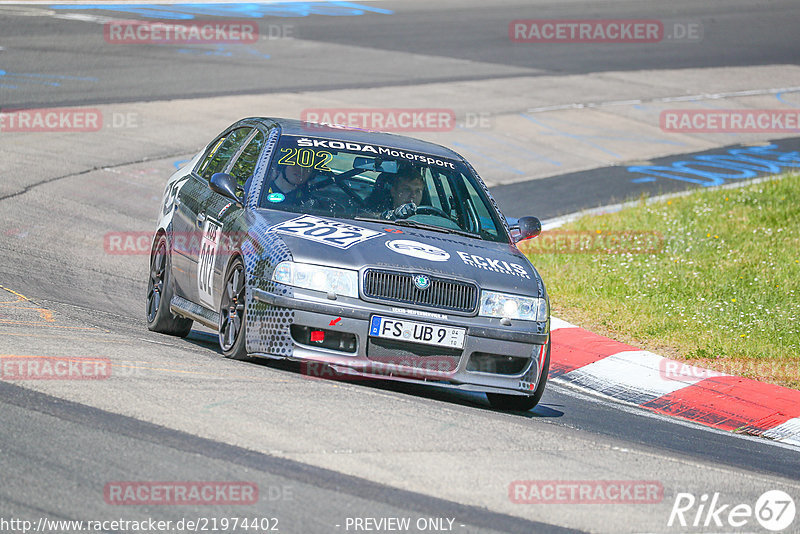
pixel 361 244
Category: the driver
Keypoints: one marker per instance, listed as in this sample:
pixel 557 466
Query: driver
pixel 406 193
pixel 292 183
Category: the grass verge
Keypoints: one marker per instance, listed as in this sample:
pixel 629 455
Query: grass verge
pixel 712 278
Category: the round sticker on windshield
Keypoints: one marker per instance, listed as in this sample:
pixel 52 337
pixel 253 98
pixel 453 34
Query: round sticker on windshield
pixel 276 197
pixel 417 250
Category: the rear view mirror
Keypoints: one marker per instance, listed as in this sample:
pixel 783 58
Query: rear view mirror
pixel 375 164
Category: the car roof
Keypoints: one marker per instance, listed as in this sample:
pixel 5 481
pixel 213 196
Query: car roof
pixel 312 129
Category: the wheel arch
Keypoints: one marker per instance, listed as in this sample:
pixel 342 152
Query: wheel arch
pixel 236 254
pixel 163 232
pixel 160 232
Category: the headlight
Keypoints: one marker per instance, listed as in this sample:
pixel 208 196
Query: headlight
pixel 495 304
pixel 328 279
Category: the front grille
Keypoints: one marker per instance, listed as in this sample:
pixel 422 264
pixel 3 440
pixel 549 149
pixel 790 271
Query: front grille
pixel 442 293
pixel 401 354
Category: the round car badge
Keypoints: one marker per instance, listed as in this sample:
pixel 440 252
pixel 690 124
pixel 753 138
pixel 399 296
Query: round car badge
pixel 276 197
pixel 422 281
pixel 417 250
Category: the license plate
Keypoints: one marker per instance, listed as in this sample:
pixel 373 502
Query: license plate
pixel 414 332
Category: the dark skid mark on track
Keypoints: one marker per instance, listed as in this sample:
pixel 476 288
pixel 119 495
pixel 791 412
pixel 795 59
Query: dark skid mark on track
pixel 87 171
pixel 318 477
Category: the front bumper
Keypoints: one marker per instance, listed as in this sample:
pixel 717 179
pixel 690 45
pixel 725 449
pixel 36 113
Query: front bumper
pixel 475 367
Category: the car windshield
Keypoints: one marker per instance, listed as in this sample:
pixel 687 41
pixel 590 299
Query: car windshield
pixel 355 181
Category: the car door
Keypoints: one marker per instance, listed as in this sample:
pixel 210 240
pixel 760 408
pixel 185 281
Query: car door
pixel 191 230
pixel 222 222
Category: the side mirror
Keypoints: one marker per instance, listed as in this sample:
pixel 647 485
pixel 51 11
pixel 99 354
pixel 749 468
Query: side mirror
pixel 225 185
pixel 526 228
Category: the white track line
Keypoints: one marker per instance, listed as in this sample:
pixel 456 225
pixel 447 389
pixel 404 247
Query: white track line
pixel 666 99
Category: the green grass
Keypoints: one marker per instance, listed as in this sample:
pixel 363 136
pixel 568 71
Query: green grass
pixel 723 292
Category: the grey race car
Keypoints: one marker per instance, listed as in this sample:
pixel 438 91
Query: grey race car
pixel 284 237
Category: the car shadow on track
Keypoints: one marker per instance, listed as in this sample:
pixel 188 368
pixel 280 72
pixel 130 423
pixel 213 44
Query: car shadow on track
pixel 208 340
pixel 204 339
pixel 471 399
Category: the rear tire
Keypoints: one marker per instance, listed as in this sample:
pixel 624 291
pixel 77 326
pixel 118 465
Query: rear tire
pixel 232 329
pixel 522 403
pixel 159 294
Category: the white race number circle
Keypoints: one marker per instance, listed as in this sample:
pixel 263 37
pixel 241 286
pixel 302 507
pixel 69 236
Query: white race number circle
pixel 775 510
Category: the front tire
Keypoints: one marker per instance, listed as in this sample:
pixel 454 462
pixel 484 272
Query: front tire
pixel 232 324
pixel 522 403
pixel 159 295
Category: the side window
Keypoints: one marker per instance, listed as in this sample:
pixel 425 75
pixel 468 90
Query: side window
pixel 440 193
pixel 220 154
pixel 242 169
pixel 479 208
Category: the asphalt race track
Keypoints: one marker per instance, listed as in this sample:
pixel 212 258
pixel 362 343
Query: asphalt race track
pixel 553 128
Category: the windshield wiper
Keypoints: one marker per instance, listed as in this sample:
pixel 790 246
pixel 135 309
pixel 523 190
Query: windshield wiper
pixel 415 224
pixel 424 226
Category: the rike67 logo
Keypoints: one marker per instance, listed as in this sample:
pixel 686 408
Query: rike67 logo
pixel 774 511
